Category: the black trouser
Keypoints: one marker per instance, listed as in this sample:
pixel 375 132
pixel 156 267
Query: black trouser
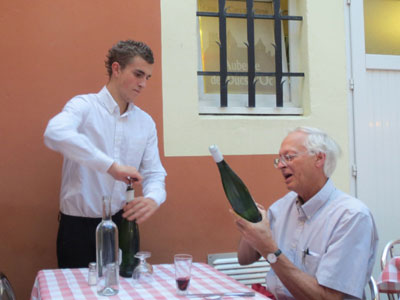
pixel 76 240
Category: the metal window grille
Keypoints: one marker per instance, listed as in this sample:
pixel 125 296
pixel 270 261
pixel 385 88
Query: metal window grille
pixel 223 73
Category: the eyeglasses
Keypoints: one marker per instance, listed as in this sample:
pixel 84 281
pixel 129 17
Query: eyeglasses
pixel 287 158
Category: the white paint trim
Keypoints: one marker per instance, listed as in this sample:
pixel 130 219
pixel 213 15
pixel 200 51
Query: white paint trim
pixel 382 62
pixel 252 111
pixel 350 98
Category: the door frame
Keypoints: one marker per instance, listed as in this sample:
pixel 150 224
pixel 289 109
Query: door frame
pixel 356 73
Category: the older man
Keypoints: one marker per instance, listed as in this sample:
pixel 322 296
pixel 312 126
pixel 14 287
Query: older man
pixel 320 242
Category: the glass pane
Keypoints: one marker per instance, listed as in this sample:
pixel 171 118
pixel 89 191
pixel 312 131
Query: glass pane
pixel 382 26
pixel 236 48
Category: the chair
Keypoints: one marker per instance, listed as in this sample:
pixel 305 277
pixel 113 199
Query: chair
pixel 228 264
pixel 6 291
pixel 371 291
pixel 391 250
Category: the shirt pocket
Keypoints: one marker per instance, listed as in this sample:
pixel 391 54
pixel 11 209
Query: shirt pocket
pixel 310 261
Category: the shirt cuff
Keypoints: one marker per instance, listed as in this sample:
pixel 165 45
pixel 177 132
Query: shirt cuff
pixel 159 196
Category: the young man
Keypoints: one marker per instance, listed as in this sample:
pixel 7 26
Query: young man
pixel 106 140
pixel 320 242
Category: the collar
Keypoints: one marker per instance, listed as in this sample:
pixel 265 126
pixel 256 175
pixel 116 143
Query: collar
pixel 111 105
pixel 309 208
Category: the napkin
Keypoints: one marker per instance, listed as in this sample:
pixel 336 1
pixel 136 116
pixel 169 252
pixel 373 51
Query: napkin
pixel 389 280
pixel 262 290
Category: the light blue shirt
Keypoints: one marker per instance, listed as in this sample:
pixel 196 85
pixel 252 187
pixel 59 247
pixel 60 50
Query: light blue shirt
pixel 91 134
pixel 332 237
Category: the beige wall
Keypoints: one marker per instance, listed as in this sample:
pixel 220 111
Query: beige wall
pixel 53 50
pixel 321 56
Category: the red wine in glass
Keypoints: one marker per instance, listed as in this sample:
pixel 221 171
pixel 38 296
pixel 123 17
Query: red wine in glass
pixel 183 283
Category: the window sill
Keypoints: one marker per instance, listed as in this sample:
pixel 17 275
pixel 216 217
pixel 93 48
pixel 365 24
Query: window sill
pixel 273 111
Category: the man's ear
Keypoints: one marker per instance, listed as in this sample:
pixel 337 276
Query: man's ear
pixel 116 68
pixel 320 159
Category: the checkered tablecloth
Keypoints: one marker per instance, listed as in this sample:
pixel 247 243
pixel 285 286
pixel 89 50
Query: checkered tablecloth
pixel 389 280
pixel 73 284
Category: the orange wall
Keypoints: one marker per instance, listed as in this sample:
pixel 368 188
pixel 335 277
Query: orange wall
pixel 51 51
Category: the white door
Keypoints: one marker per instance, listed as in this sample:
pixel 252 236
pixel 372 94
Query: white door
pixel 375 133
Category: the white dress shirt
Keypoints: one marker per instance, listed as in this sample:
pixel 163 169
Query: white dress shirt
pixel 332 237
pixel 92 135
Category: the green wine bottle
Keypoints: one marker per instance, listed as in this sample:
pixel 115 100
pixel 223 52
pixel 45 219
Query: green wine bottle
pixel 129 241
pixel 235 190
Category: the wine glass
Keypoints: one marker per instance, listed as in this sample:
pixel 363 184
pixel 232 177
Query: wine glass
pixel 144 271
pixel 183 266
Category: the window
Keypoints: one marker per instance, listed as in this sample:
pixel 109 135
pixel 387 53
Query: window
pixel 243 55
pixel 382 27
pixel 382 34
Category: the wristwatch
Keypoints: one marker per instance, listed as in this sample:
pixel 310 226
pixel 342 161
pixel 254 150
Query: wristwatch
pixel 273 257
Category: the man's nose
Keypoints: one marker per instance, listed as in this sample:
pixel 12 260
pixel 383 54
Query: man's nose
pixel 143 83
pixel 281 164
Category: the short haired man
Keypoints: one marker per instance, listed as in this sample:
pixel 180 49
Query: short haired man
pixel 106 141
pixel 320 242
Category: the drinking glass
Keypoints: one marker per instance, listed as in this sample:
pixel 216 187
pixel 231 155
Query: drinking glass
pixel 183 267
pixel 144 271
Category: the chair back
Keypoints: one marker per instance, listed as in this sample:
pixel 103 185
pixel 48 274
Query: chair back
pixel 228 264
pixel 391 250
pixel 6 291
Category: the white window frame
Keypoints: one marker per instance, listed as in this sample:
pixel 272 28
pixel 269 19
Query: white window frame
pixel 265 104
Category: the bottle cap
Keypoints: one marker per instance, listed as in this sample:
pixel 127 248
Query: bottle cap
pixel 92 266
pixel 130 192
pixel 216 154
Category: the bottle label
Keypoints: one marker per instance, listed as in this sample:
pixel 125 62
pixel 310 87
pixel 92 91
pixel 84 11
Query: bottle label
pixel 130 195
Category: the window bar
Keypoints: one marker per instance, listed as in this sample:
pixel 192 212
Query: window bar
pixel 223 61
pixel 278 53
pixel 251 54
pixel 223 73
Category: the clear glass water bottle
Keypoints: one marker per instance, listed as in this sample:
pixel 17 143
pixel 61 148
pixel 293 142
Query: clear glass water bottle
pixel 107 253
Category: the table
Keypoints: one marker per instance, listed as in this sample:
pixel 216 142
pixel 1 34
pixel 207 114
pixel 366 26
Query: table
pixel 389 280
pixel 72 284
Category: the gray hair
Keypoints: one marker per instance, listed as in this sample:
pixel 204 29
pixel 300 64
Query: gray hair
pixel 318 141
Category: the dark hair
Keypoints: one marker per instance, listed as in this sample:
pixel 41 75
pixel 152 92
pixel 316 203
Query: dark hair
pixel 124 51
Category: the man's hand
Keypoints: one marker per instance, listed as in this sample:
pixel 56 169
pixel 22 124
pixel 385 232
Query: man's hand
pixel 124 173
pixel 140 209
pixel 257 235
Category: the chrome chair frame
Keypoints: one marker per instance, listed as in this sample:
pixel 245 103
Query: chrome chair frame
pixel 6 291
pixel 387 254
pixel 373 289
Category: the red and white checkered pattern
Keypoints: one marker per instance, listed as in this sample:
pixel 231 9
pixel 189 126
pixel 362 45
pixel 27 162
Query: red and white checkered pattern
pixel 389 280
pixel 73 284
